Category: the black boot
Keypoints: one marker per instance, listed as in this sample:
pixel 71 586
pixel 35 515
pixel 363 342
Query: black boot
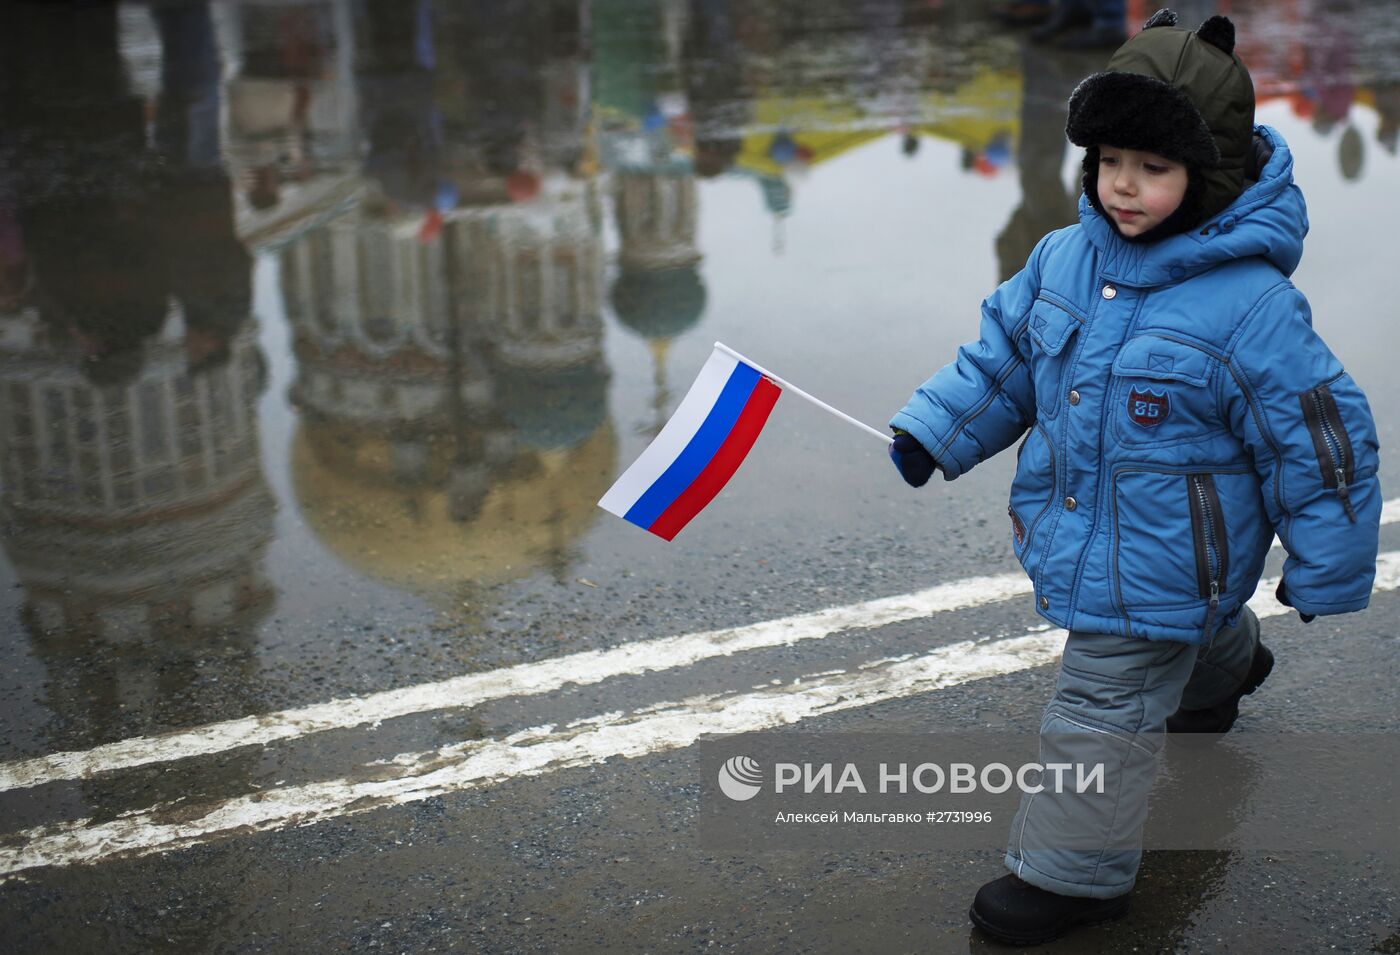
pixel 1018 913
pixel 1220 717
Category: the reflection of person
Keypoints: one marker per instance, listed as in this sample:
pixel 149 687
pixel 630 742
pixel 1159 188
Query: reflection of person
pixel 1046 205
pixel 716 88
pixel 136 518
pixel 394 81
pixel 1181 409
pixel 206 268
pixel 111 228
pixel 283 118
pixel 76 150
pixel 1388 107
pixel 187 116
pixel 493 63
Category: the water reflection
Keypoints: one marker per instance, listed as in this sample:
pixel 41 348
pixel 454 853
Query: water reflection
pixel 448 327
pixel 1048 202
pixel 292 127
pixel 135 509
pixel 1324 61
pixel 454 411
pixel 456 197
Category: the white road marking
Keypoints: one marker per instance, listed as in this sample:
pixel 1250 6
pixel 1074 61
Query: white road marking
pixel 411 777
pixel 463 766
pixel 526 679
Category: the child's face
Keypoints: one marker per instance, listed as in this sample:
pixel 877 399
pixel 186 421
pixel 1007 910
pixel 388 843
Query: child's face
pixel 1137 189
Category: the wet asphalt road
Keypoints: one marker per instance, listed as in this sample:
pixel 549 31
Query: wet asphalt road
pixel 606 859
pixel 853 272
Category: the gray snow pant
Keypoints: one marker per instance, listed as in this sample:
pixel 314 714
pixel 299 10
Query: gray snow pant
pixel 1111 704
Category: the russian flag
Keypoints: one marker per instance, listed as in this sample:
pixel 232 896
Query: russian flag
pixel 699 449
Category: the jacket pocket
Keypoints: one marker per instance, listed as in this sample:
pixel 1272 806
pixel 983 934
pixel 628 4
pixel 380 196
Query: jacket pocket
pixel 1032 490
pixel 1171 535
pixel 1051 327
pixel 1152 567
pixel 1331 443
pixel 1161 392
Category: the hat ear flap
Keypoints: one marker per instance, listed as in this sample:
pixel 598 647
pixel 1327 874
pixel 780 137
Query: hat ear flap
pixel 1218 32
pixel 1162 18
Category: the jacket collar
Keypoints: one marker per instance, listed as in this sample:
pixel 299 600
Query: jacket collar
pixel 1268 219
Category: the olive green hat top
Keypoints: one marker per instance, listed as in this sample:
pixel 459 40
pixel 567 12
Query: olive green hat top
pixel 1181 94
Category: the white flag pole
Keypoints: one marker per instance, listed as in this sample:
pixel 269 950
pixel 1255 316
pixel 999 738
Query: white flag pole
pixel 788 386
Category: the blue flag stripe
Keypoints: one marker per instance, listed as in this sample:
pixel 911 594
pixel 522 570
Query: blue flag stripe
pixel 702 447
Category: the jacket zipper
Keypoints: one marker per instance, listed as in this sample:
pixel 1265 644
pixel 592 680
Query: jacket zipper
pixel 1212 554
pixel 1331 443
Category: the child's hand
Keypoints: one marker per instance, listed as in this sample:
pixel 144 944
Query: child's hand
pixel 1282 596
pixel 915 464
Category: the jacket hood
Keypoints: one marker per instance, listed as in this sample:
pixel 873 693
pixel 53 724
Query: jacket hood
pixel 1268 219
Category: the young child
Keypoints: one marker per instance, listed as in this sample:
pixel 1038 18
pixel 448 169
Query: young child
pixel 1181 411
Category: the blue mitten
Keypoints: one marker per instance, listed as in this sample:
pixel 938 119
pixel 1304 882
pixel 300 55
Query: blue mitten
pixel 1282 596
pixel 915 464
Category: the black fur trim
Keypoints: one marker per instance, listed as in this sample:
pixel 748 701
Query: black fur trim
pixel 1218 32
pixel 1133 111
pixel 1162 18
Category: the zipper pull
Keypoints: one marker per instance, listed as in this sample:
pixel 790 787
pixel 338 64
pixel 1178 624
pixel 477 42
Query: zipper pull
pixel 1344 493
pixel 1214 605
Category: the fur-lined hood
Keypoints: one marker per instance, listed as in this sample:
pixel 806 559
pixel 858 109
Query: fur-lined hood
pixel 1268 219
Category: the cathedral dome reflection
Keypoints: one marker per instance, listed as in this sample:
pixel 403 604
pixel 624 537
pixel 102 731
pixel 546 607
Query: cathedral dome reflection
pixel 453 392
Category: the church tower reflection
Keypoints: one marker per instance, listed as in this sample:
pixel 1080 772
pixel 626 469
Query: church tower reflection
pixel 135 507
pixel 448 329
pixel 658 293
pixel 452 438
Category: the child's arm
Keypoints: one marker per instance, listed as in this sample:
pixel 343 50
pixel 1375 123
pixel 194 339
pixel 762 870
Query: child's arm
pixel 1310 432
pixel 981 402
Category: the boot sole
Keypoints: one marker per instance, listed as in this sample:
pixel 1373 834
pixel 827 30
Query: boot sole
pixel 1109 913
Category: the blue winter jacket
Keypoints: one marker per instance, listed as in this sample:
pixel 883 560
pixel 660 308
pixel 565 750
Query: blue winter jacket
pixel 1181 411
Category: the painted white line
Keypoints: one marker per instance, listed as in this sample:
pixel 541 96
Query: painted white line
pixel 587 667
pixel 411 777
pixel 532 752
pixel 526 679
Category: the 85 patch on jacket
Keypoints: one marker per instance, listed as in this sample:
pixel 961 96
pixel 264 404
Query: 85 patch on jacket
pixel 1148 407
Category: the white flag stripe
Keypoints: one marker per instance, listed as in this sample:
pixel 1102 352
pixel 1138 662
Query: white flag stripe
pixel 412 777
pixel 543 676
pixel 674 437
pixel 416 776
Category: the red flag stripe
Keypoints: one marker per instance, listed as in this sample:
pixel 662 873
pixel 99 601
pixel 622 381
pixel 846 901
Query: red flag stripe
pixel 722 466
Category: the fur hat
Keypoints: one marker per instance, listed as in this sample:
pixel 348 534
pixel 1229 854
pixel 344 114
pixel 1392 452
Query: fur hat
pixel 1182 95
